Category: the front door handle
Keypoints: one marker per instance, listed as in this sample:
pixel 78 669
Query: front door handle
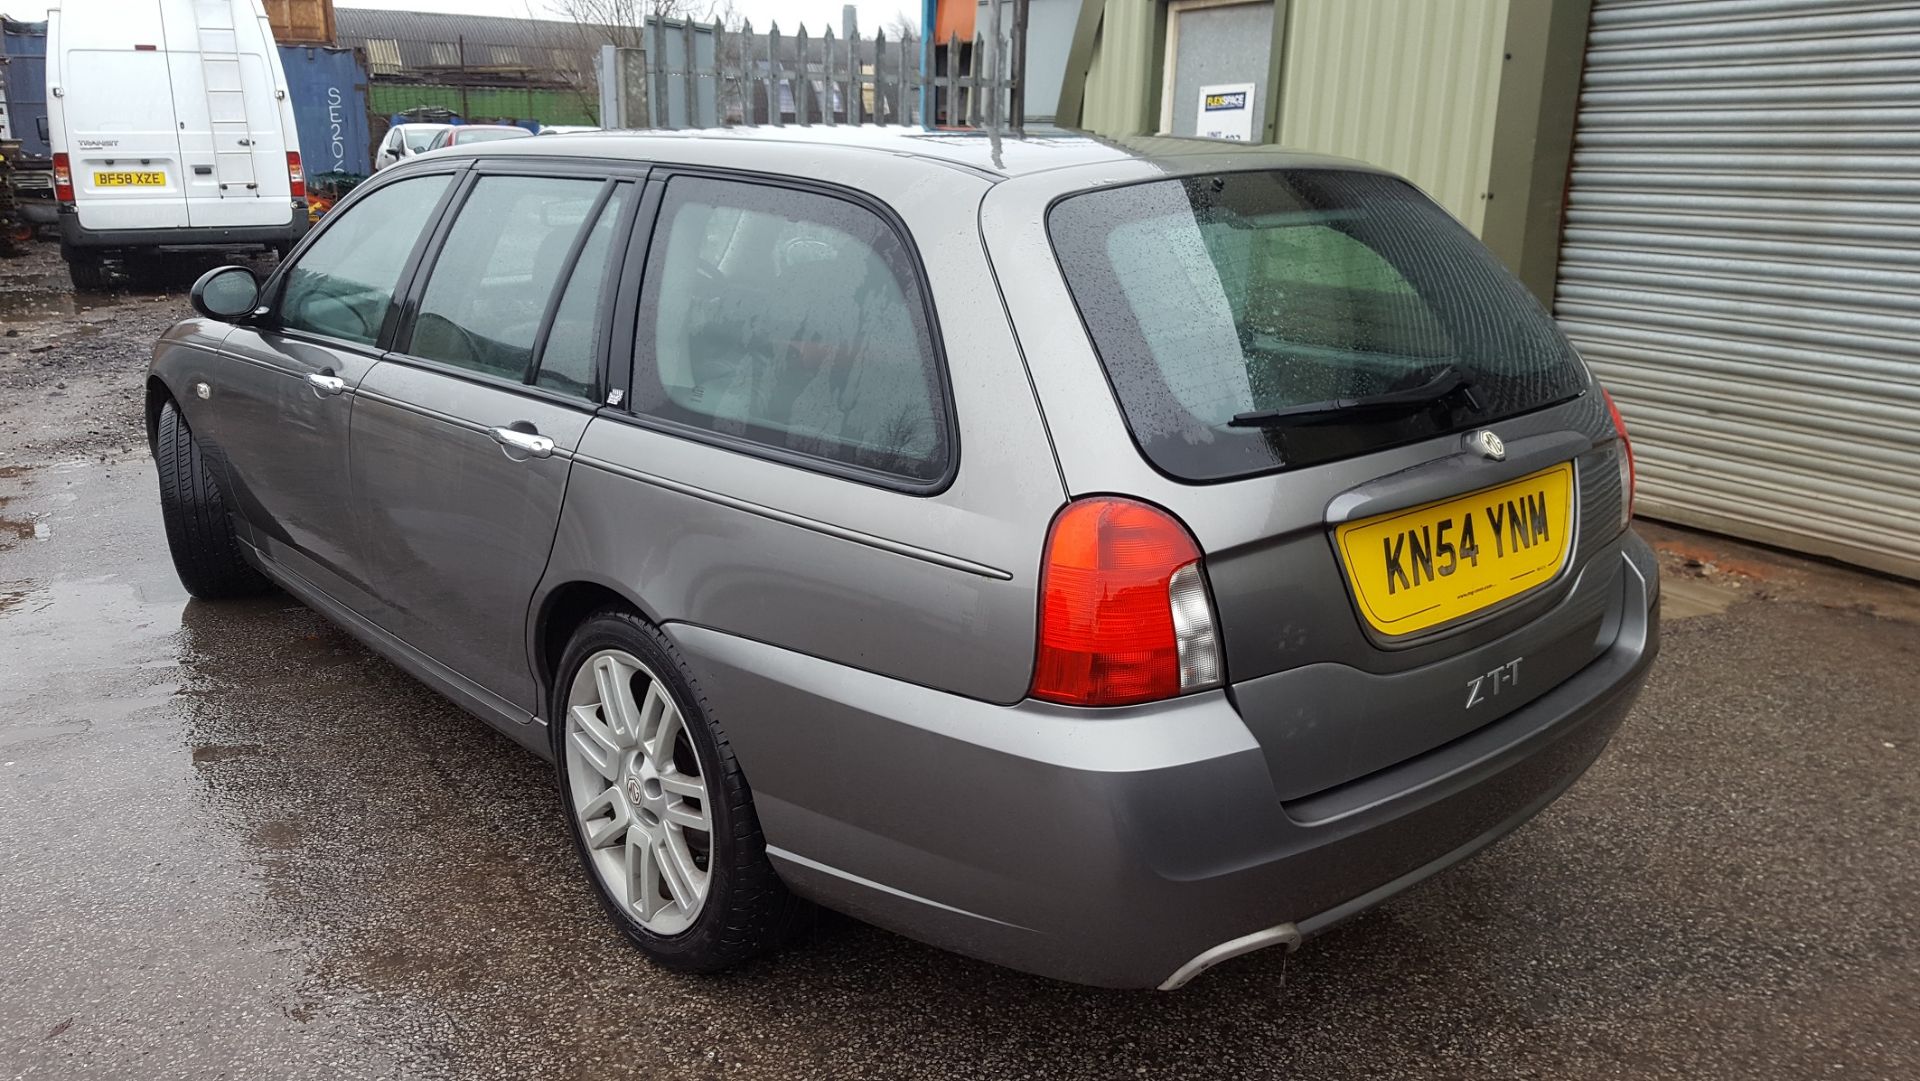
pixel 533 446
pixel 326 385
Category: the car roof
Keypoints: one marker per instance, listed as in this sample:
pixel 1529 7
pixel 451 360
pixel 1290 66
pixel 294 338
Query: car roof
pixel 984 153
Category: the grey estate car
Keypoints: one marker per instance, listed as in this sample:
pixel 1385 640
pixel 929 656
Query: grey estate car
pixel 1100 559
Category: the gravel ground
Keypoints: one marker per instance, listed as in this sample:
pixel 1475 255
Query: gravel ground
pixel 235 844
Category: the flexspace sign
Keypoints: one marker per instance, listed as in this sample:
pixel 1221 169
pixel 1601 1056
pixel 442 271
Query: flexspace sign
pixel 1225 112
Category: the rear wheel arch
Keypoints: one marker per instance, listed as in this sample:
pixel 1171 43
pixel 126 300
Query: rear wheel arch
pixel 561 612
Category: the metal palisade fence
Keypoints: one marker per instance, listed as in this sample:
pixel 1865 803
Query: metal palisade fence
pixel 688 74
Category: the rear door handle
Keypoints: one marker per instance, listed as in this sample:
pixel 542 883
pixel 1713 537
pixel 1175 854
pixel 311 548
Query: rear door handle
pixel 533 446
pixel 326 385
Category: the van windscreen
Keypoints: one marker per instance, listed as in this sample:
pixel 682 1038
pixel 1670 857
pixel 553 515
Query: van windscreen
pixel 1281 298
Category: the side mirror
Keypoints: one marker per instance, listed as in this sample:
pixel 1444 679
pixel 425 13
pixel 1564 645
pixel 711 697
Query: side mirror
pixel 226 293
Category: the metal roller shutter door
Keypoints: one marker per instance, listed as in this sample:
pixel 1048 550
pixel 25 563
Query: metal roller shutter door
pixel 1741 264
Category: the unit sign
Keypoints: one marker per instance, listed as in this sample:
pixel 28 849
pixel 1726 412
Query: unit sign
pixel 1226 112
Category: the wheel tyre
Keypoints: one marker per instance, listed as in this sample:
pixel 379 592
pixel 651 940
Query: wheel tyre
pixel 87 270
pixel 747 911
pixel 200 536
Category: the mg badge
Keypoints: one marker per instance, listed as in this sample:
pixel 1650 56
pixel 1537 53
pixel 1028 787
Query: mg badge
pixel 1489 445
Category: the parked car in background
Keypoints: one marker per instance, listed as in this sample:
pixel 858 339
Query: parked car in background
pixel 759 482
pixel 469 134
pixel 403 141
pixel 171 129
pixel 565 129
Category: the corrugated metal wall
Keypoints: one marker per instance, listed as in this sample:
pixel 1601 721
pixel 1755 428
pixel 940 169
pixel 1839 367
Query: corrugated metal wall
pixel 1741 264
pixel 328 89
pixel 1126 55
pixel 484 102
pixel 25 45
pixel 1409 86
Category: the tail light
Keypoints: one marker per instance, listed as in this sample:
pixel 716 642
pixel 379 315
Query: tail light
pixel 296 175
pixel 1124 614
pixel 1629 473
pixel 62 179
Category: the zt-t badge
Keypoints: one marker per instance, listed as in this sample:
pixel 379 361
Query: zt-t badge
pixel 1481 688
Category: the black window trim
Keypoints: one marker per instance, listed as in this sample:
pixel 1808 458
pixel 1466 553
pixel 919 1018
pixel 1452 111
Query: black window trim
pixel 275 286
pixel 663 174
pixel 610 173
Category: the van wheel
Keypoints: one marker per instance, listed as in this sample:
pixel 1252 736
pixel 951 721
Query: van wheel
pixel 660 813
pixel 200 535
pixel 87 269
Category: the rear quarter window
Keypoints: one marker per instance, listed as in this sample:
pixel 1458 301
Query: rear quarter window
pixel 791 320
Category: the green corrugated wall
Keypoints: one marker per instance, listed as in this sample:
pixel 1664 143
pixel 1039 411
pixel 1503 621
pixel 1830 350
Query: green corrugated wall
pixel 509 103
pixel 1126 59
pixel 1408 84
pixel 1412 87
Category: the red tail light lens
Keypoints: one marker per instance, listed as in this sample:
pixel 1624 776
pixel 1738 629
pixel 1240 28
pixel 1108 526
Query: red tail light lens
pixel 1124 615
pixel 1631 479
pixel 62 179
pixel 296 175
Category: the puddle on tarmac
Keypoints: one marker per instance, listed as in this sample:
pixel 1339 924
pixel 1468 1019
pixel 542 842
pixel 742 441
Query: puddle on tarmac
pixel 39 298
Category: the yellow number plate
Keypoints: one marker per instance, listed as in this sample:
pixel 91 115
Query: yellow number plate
pixel 129 180
pixel 1418 568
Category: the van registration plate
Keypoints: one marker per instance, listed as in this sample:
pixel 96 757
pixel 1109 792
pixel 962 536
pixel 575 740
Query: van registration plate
pixel 1424 566
pixel 129 180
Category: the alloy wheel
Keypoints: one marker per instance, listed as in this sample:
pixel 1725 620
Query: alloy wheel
pixel 638 792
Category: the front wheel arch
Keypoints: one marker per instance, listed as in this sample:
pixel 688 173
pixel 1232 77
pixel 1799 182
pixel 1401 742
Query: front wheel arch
pixel 158 395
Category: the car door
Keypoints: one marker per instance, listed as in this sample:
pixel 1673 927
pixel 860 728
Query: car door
pixel 389 151
pixel 463 438
pixel 280 408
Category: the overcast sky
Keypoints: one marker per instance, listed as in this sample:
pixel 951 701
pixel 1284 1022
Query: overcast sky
pixel 817 14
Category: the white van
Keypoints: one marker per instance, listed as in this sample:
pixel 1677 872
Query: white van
pixel 171 129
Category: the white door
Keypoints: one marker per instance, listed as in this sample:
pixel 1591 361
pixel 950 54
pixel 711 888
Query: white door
pixel 228 92
pixel 111 97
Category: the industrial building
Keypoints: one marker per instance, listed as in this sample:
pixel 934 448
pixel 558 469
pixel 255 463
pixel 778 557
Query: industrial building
pixel 474 66
pixel 1719 199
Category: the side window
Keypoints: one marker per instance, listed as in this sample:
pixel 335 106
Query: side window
pixel 566 360
pixel 343 284
pixel 790 319
pixel 501 263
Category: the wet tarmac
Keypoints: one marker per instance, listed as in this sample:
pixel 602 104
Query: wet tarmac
pixel 235 844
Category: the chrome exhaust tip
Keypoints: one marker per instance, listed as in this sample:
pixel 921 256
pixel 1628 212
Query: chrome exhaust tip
pixel 1285 934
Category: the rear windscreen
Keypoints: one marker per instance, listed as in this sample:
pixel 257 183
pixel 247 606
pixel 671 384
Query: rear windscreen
pixel 1240 294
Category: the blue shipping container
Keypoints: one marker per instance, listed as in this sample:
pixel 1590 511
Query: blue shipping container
pixel 328 88
pixel 25 47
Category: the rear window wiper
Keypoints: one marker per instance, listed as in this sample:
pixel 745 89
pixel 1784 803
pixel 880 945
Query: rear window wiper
pixel 1446 385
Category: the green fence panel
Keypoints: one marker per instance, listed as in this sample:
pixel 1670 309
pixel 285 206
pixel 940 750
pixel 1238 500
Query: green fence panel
pixel 548 106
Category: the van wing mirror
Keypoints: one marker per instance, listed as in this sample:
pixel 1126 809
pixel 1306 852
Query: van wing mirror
pixel 226 293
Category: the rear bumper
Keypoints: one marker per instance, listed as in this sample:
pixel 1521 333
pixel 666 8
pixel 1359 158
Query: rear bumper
pixel 1123 848
pixel 75 235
